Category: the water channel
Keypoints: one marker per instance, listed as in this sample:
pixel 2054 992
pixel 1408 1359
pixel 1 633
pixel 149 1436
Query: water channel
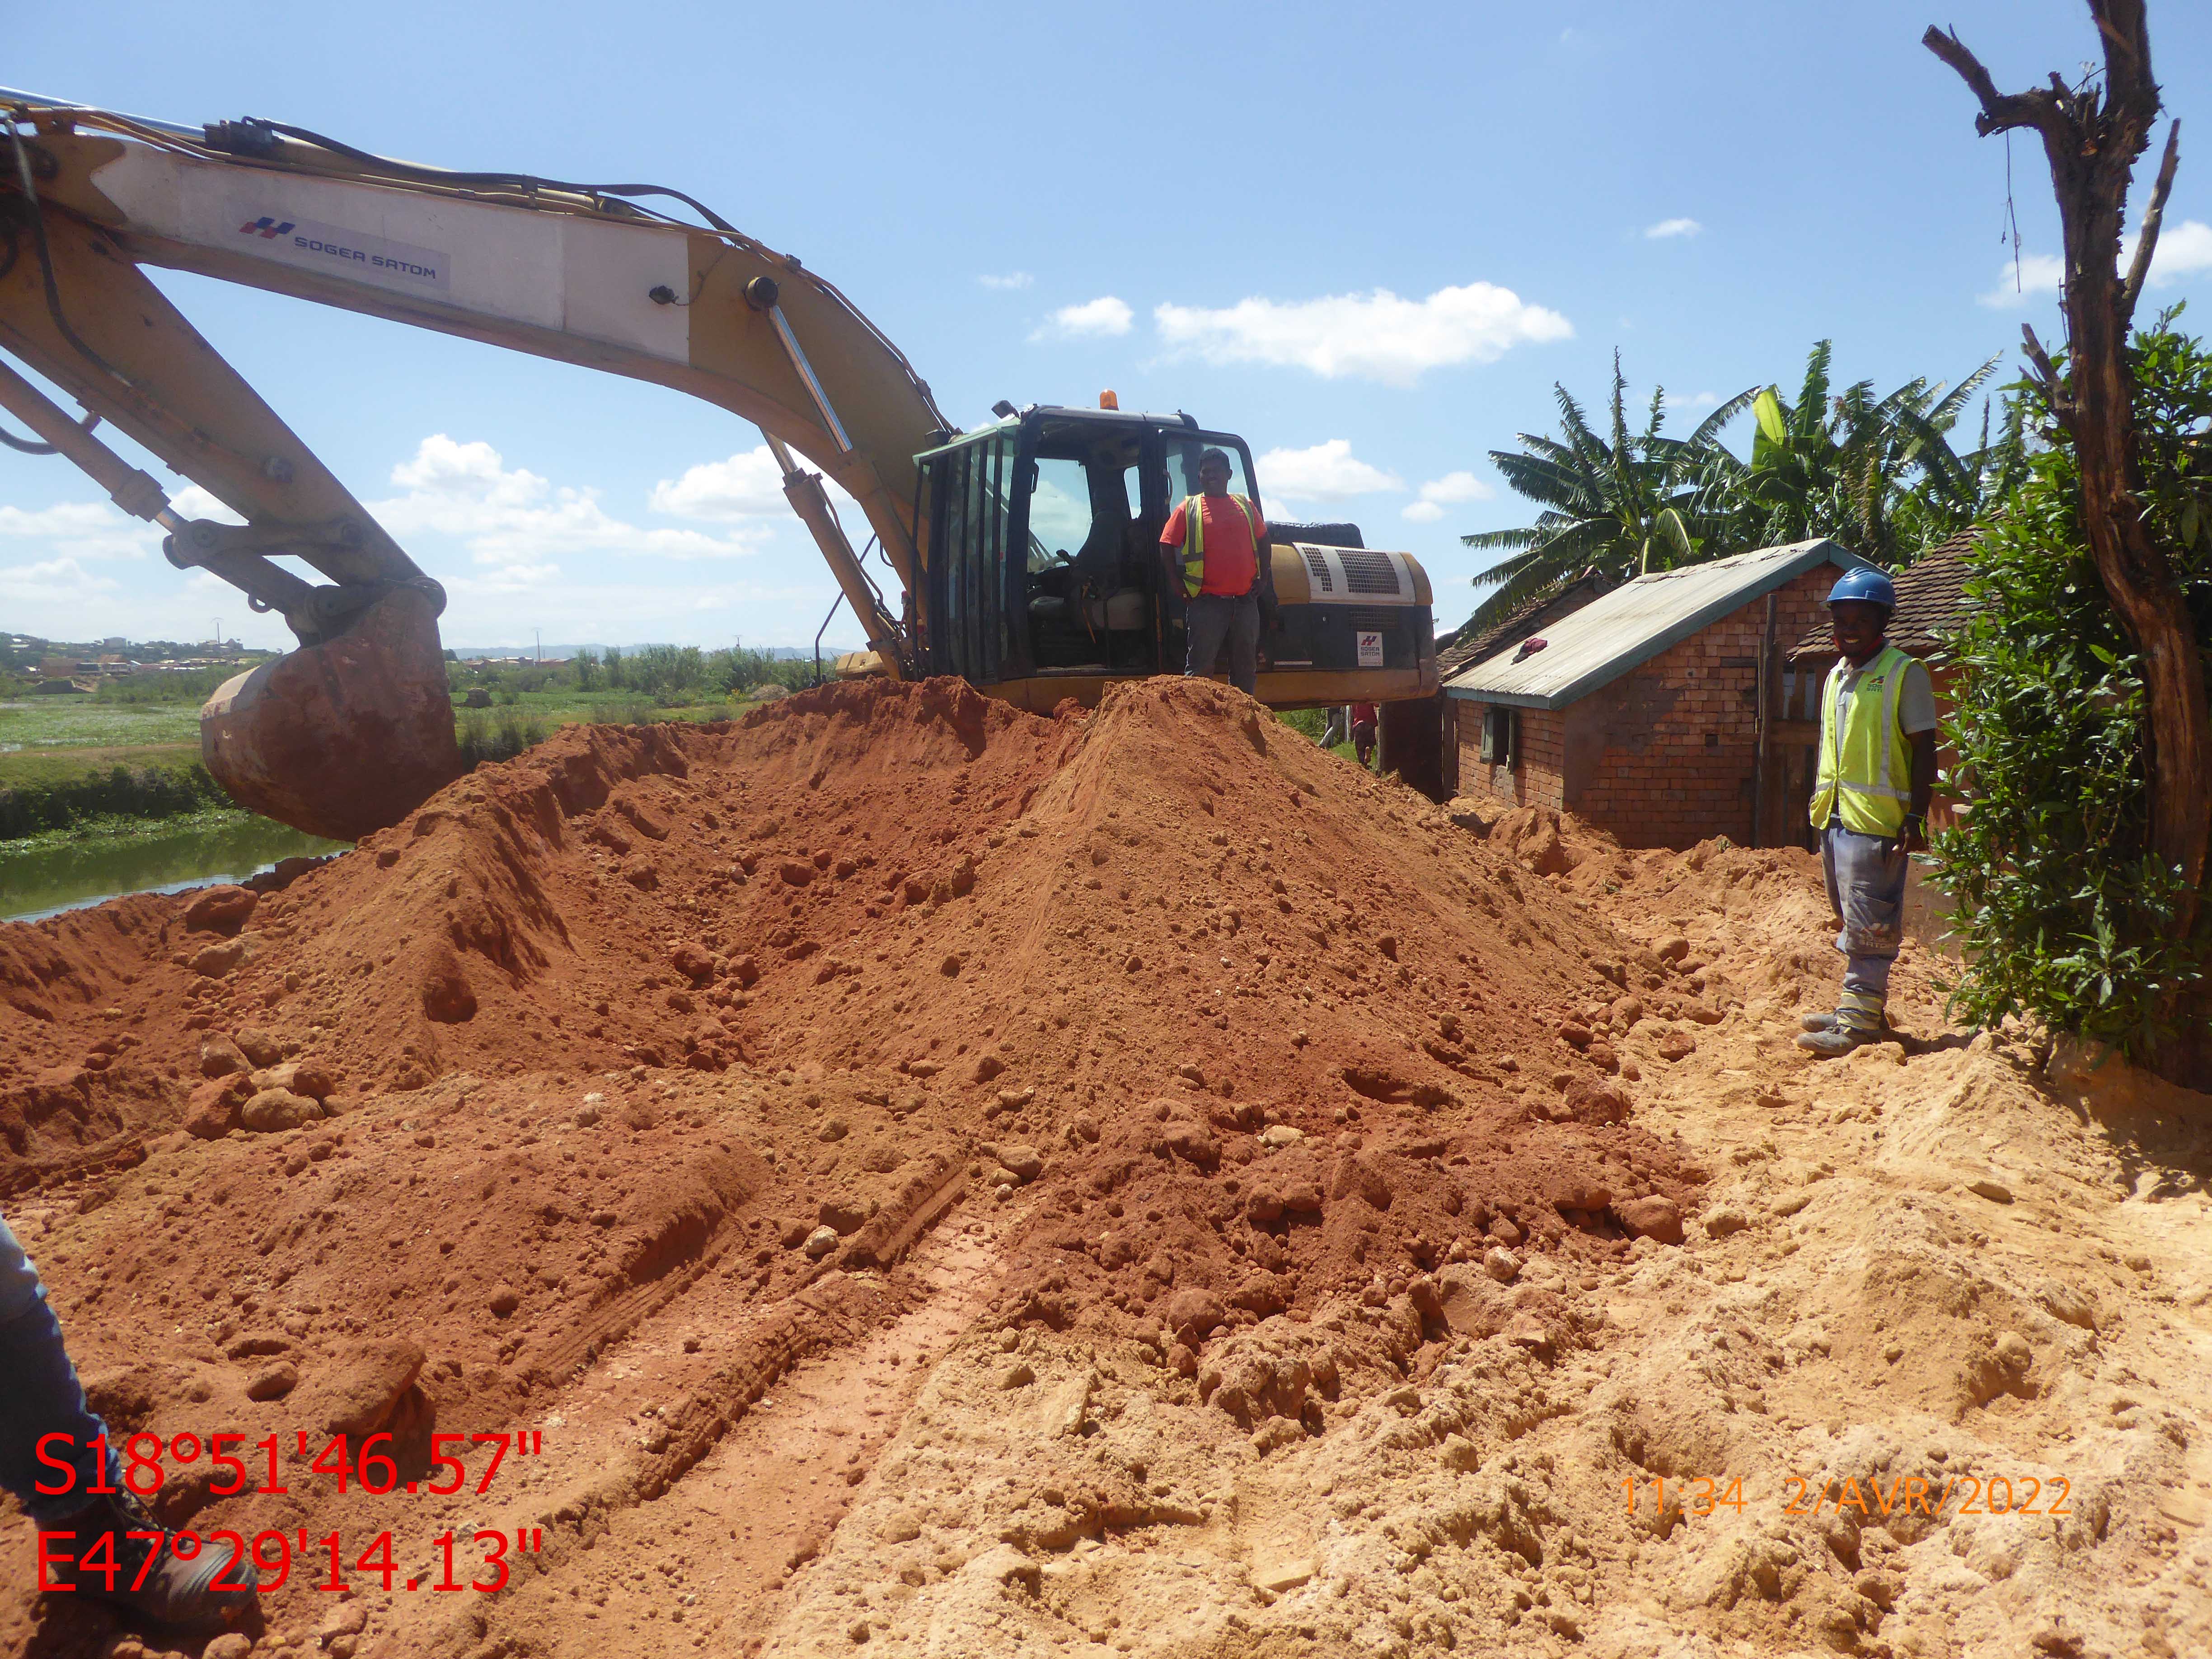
pixel 49 878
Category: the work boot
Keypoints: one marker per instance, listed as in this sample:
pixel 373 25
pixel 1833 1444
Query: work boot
pixel 1823 1021
pixel 169 1591
pixel 1832 1041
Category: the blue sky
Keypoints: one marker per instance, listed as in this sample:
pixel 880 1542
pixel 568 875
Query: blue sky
pixel 1368 239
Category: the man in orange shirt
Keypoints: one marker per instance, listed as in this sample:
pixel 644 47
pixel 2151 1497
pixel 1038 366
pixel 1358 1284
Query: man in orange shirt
pixel 1363 731
pixel 1212 544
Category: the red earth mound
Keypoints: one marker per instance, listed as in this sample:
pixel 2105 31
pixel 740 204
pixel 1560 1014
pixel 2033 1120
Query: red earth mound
pixel 711 1012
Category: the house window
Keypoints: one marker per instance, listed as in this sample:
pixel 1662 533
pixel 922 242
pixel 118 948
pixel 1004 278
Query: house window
pixel 1500 737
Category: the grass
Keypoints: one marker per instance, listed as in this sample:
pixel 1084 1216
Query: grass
pixel 48 768
pixel 68 765
pixel 560 706
pixel 526 719
pixel 124 827
pixel 30 723
pixel 27 808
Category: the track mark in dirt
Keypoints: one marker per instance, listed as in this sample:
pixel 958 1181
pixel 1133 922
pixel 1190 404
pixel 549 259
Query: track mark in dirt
pixel 708 1563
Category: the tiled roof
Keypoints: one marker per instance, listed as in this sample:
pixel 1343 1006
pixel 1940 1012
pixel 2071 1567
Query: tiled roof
pixel 1931 602
pixel 1457 651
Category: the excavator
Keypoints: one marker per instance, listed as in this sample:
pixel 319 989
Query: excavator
pixel 1023 552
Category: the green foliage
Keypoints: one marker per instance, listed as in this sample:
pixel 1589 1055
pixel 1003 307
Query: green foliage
pixel 2063 912
pixel 193 685
pixel 1623 507
pixel 30 807
pixel 657 669
pixel 1878 474
pixel 1312 724
pixel 586 670
pixel 497 736
pixel 740 669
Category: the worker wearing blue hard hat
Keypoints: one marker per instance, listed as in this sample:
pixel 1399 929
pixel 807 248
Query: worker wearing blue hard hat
pixel 1877 771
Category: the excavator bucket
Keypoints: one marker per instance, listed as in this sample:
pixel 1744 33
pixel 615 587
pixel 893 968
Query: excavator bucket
pixel 344 737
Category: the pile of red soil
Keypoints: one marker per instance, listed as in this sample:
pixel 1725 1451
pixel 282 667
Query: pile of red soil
pixel 1151 945
pixel 1230 1026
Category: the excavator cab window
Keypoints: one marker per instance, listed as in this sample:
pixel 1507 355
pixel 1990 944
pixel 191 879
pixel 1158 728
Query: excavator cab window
pixel 1086 605
pixel 1183 452
pixel 968 495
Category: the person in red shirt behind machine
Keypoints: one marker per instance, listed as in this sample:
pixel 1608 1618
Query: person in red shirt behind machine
pixel 1212 544
pixel 1363 731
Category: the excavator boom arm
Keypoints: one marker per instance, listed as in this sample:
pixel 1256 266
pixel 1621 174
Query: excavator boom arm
pixel 578 273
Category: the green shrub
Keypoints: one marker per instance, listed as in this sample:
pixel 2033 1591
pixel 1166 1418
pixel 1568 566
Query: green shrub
pixel 27 809
pixel 184 685
pixel 498 735
pixel 741 668
pixel 2063 911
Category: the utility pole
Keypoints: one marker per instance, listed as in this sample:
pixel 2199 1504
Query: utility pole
pixel 538 635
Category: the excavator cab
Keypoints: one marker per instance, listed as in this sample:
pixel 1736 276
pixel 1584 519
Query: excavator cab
pixel 1044 578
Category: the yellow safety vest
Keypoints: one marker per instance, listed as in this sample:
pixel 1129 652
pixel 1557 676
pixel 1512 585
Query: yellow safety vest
pixel 1193 540
pixel 1866 768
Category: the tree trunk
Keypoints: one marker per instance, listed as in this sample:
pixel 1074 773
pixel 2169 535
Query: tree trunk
pixel 2091 138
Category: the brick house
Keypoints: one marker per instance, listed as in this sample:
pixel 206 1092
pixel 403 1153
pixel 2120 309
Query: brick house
pixel 1639 713
pixel 1417 736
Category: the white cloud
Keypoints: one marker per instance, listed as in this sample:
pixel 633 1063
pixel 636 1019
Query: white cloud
pixel 1666 228
pixel 193 502
pixel 1439 493
pixel 2038 273
pixel 1012 279
pixel 1696 400
pixel 750 484
pixel 1092 319
pixel 51 581
pixel 81 530
pixel 1327 472
pixel 1374 336
pixel 2184 250
pixel 513 520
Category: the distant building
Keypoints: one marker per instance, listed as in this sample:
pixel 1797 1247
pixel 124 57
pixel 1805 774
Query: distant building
pixel 1639 711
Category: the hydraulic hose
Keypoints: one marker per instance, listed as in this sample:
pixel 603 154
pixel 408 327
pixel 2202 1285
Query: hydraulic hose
pixel 29 186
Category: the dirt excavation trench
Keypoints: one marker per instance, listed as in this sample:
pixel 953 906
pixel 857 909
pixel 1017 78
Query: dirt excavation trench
pixel 913 1176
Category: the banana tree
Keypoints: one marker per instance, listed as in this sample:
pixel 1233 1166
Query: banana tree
pixel 1624 506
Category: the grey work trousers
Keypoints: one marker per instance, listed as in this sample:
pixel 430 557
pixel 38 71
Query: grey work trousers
pixel 1211 619
pixel 1866 888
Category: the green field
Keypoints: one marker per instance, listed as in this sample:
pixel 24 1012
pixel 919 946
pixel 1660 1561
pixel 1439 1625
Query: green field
pixel 49 742
pixel 45 768
pixel 31 725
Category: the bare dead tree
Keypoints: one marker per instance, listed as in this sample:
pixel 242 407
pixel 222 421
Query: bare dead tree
pixel 2092 136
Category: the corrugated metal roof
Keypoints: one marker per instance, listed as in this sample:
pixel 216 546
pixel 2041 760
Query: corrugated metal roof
pixel 1458 651
pixel 1634 624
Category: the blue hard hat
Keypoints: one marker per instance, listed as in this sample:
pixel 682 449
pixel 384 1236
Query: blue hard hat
pixel 1867 584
